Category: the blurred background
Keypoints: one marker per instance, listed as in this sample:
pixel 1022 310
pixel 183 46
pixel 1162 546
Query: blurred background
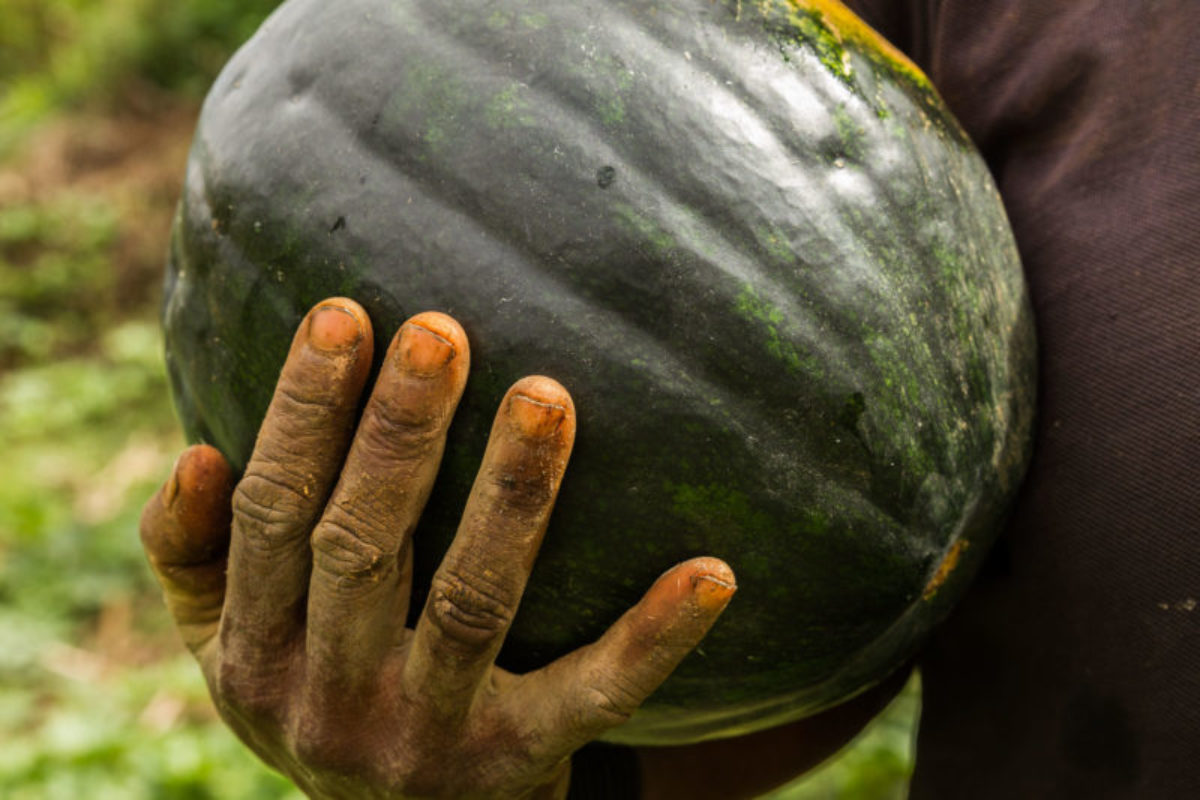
pixel 97 697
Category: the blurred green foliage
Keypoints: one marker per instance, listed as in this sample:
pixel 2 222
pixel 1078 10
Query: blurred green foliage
pixel 67 54
pixel 97 698
pixel 56 282
pixel 110 744
pixel 875 766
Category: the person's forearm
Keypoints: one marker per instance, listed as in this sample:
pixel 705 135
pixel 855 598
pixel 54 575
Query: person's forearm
pixel 752 765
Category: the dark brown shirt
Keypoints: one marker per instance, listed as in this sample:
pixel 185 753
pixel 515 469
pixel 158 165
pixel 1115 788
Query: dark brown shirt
pixel 1072 670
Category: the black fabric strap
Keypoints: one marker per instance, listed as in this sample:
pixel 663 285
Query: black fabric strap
pixel 605 772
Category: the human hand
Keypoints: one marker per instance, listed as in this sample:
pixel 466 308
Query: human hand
pixel 291 587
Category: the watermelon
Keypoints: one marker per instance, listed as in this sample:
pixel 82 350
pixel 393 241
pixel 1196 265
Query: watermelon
pixel 748 238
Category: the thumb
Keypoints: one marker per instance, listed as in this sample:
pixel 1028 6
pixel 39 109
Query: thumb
pixel 185 532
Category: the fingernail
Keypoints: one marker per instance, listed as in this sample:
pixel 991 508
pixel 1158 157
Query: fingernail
pixel 424 352
pixel 334 328
pixel 535 417
pixel 712 592
pixel 171 489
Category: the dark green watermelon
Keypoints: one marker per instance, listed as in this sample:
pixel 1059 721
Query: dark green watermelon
pixel 748 238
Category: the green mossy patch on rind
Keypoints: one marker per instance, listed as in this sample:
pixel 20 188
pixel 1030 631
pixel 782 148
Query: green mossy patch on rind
pixel 779 348
pixel 836 37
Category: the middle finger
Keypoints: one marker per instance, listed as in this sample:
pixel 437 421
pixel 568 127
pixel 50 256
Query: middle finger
pixel 358 595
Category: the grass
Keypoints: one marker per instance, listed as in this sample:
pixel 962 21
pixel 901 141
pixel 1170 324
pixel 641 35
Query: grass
pixel 72 55
pixel 97 697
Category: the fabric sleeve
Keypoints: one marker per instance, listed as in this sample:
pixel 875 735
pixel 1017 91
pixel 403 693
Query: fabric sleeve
pixel 1072 668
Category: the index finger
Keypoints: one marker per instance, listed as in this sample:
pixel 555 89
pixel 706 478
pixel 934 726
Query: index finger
pixel 297 457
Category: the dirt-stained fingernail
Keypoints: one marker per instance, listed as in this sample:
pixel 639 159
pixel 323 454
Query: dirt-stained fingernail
pixel 712 591
pixel 535 417
pixel 171 489
pixel 423 352
pixel 334 328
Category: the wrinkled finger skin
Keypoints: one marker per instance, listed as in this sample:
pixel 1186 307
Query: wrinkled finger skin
pixel 291 585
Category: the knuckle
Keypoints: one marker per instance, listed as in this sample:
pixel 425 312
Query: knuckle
pixel 417 424
pixel 391 439
pixel 304 425
pixel 265 506
pixel 673 646
pixel 611 699
pixel 466 615
pixel 314 399
pixel 344 554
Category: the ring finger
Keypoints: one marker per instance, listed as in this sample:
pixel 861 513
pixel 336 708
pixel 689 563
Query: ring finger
pixel 475 592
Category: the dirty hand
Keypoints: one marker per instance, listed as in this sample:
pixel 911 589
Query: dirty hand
pixel 292 587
